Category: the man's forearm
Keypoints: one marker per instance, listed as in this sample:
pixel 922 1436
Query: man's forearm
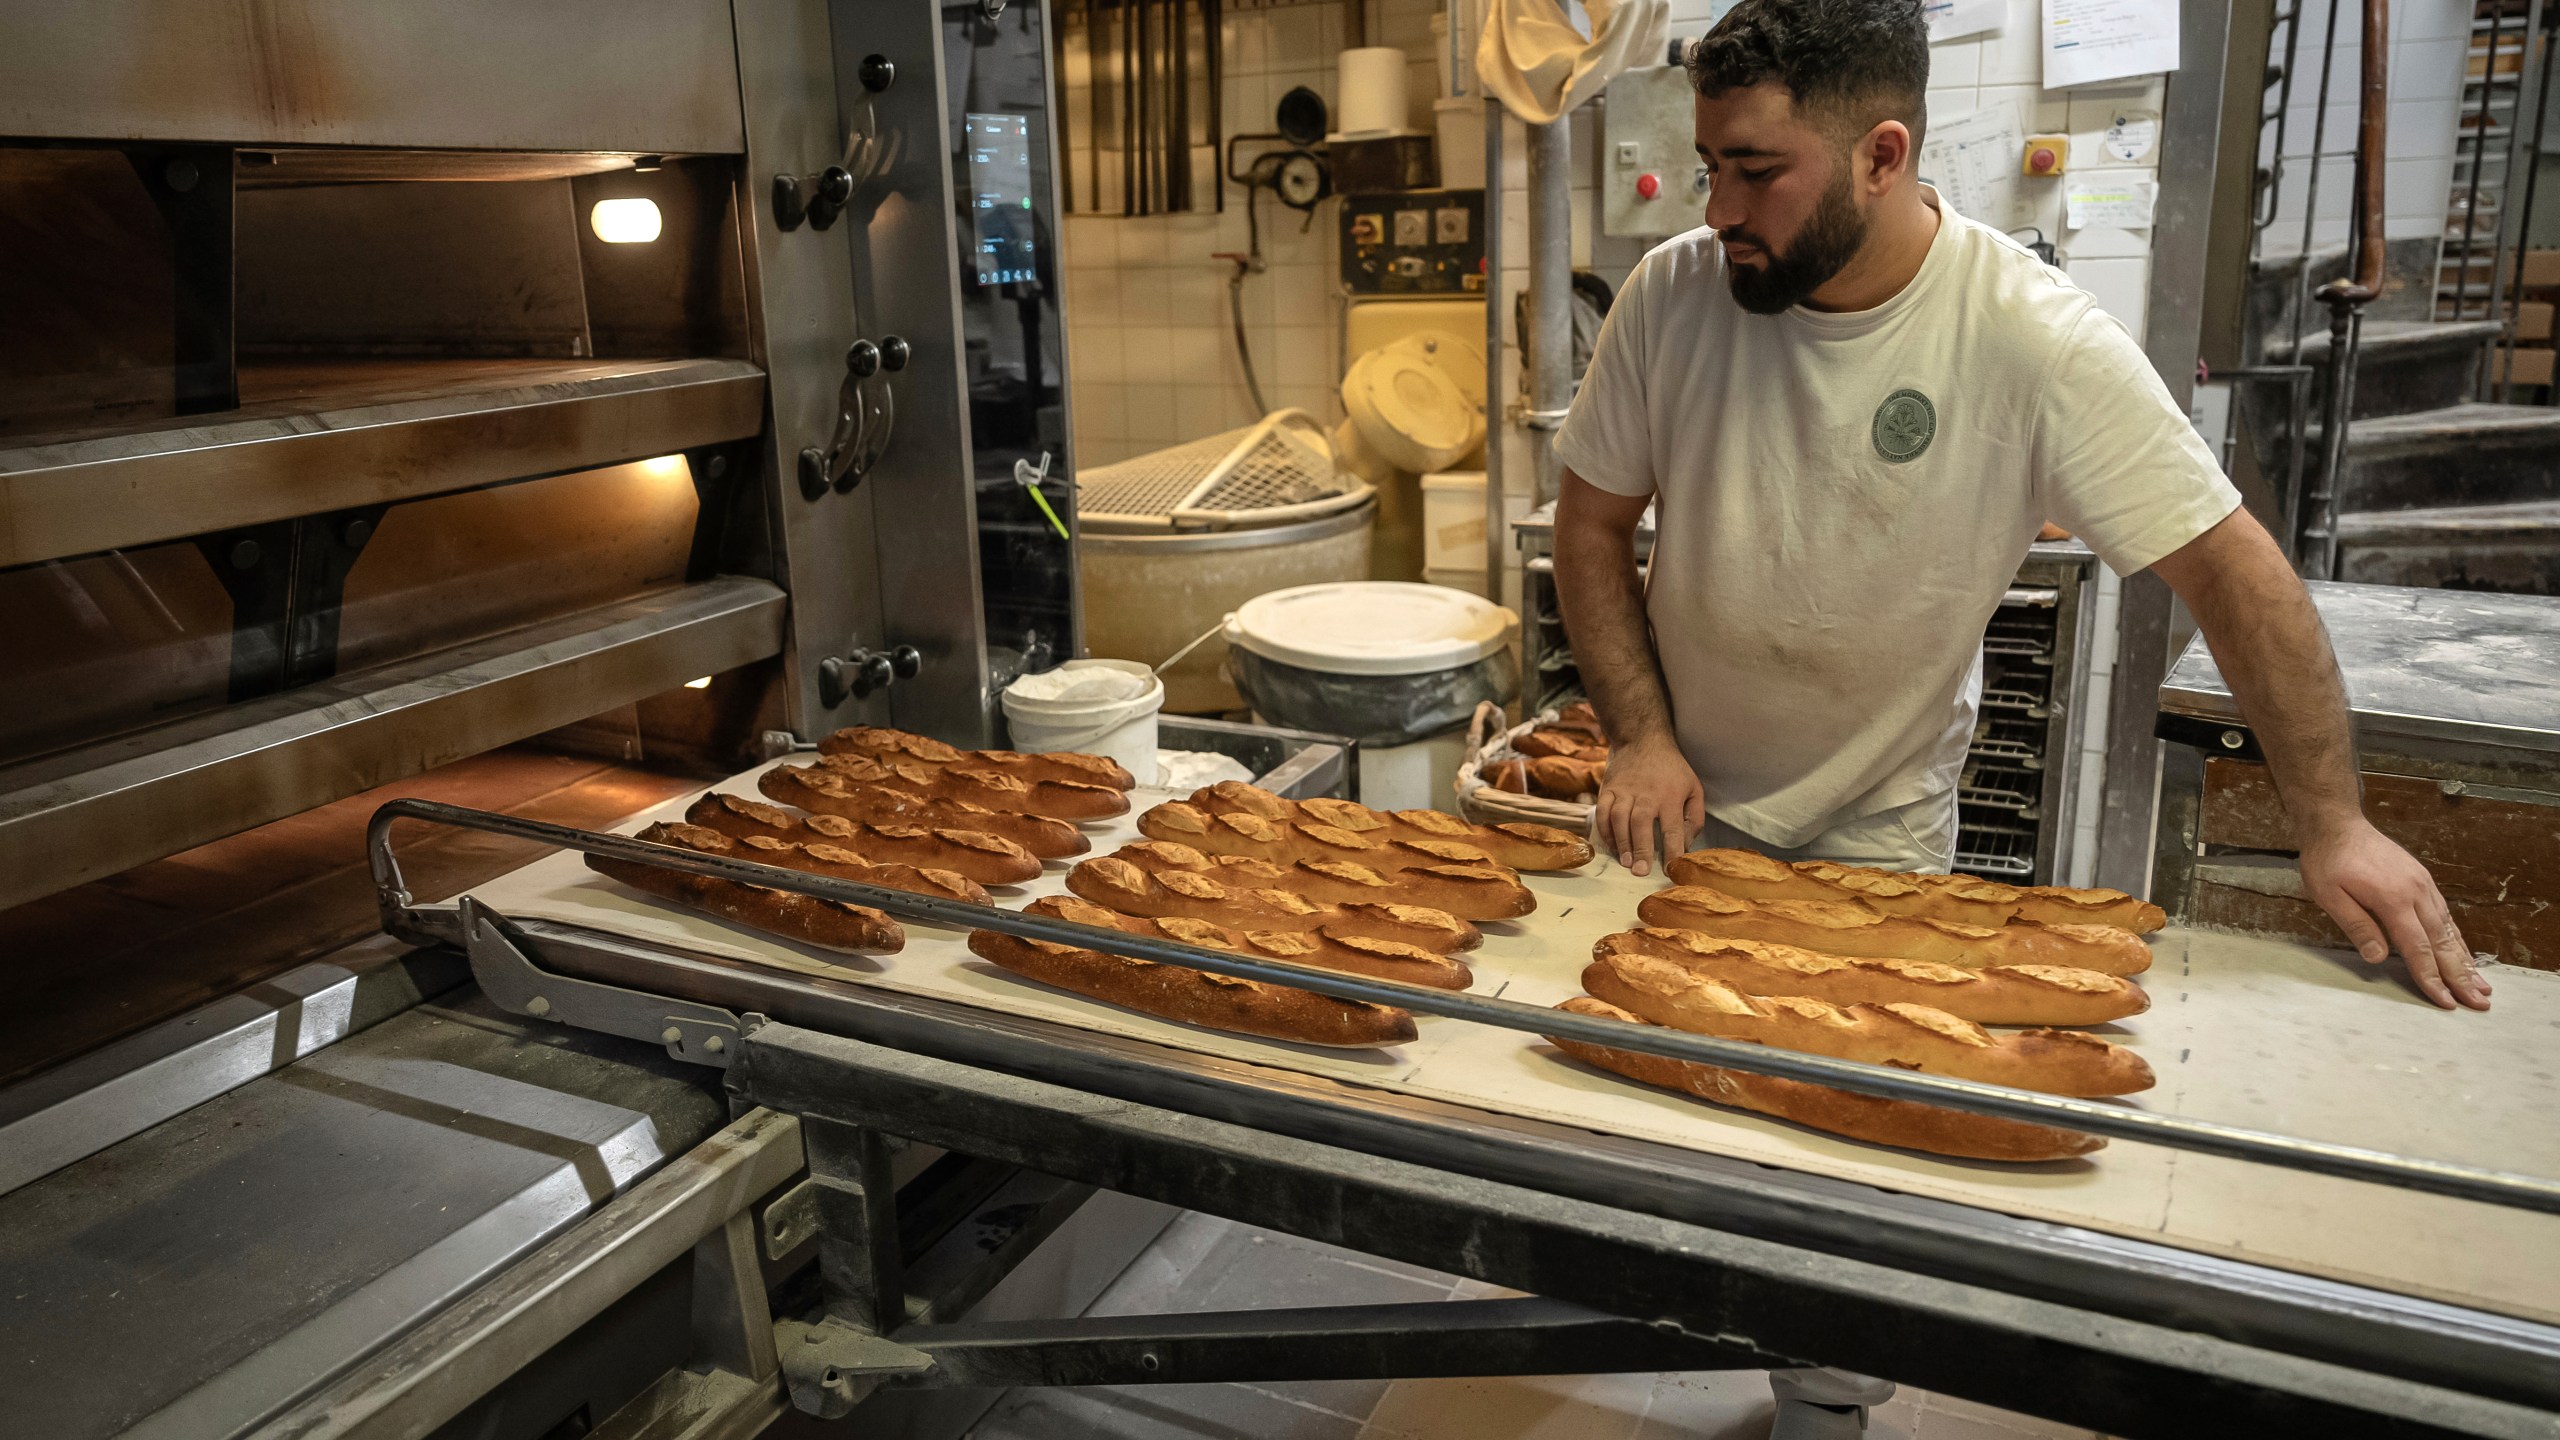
pixel 2274 654
pixel 1603 601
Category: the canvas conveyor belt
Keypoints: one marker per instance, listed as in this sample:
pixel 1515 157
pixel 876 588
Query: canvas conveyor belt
pixel 2184 1283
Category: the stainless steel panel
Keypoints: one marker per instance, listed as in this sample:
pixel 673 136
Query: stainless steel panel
pixel 2461 666
pixel 2146 613
pixel 110 642
pixel 907 283
pixel 628 75
pixel 77 1109
pixel 199 1277
pixel 358 433
pixel 81 814
pixel 801 319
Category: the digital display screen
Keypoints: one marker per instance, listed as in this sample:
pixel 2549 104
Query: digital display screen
pixel 999 148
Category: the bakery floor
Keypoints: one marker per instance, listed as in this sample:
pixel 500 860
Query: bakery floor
pixel 1204 1263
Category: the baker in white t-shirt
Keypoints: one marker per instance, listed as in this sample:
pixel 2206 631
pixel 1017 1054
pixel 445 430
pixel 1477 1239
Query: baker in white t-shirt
pixel 1853 408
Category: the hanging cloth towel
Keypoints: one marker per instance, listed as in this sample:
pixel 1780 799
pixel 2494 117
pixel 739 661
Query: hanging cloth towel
pixel 1539 65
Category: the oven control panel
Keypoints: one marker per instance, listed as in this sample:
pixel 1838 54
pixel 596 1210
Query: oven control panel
pixel 1414 242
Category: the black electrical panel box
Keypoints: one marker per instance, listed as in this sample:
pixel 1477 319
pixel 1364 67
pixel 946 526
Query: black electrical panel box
pixel 1414 242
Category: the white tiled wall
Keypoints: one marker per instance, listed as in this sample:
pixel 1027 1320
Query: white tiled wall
pixel 1152 342
pixel 2428 42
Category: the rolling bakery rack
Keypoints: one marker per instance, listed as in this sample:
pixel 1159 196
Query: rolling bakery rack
pixel 1643 1256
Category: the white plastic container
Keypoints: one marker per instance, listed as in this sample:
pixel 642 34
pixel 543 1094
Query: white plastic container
pixel 1371 83
pixel 1119 725
pixel 1453 521
pixel 1400 667
pixel 1460 123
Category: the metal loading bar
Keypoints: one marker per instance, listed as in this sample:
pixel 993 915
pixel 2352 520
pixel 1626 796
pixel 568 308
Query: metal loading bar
pixel 2463 1182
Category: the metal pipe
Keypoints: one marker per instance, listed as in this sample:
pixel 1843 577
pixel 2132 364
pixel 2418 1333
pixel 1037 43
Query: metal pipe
pixel 1496 426
pixel 1548 347
pixel 2523 1192
pixel 2524 118
pixel 2347 297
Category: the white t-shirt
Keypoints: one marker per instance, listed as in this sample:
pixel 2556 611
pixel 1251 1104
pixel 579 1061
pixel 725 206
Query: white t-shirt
pixel 1842 498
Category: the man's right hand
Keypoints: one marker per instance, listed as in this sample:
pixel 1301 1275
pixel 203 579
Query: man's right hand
pixel 1650 787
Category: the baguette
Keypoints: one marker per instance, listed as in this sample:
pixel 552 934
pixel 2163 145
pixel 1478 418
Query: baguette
pixel 819 859
pixel 1960 898
pixel 1285 841
pixel 1063 765
pixel 829 792
pixel 1903 1123
pixel 1181 895
pixel 1468 892
pixel 987 859
pixel 1579 718
pixel 1511 775
pixel 1915 1037
pixel 1833 927
pixel 2073 905
pixel 1560 778
pixel 826 924
pixel 1351 954
pixel 1178 992
pixel 2001 995
pixel 1057 799
pixel 1562 744
pixel 1519 846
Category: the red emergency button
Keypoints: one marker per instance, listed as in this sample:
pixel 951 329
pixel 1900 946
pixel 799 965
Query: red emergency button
pixel 1648 186
pixel 2041 160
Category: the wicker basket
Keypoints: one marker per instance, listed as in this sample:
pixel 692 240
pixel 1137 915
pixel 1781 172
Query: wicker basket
pixel 1488 740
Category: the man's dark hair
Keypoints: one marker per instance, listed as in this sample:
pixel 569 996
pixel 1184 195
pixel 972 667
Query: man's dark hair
pixel 1850 64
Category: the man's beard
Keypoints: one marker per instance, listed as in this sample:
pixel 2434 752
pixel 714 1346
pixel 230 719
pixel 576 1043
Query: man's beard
pixel 1828 241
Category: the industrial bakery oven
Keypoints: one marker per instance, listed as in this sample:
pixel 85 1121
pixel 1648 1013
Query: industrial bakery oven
pixel 2020 787
pixel 535 405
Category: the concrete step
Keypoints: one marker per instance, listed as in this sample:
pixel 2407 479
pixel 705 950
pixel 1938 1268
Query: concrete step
pixel 2402 366
pixel 2510 548
pixel 2460 455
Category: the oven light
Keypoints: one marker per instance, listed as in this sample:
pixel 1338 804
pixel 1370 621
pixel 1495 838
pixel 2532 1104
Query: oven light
pixel 625 222
pixel 702 684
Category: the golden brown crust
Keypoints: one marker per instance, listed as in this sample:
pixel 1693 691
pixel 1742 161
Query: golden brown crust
pixel 833 861
pixel 1963 899
pixel 1351 954
pixel 826 924
pixel 987 859
pixel 1834 927
pixel 1917 1037
pixel 1561 777
pixel 1183 894
pixel 1468 892
pixel 1178 992
pixel 994 789
pixel 822 791
pixel 2002 995
pixel 1903 1123
pixel 1073 767
pixel 1518 846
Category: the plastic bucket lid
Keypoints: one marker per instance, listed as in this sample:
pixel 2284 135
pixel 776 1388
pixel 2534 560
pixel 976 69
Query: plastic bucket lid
pixel 1371 627
pixel 1407 404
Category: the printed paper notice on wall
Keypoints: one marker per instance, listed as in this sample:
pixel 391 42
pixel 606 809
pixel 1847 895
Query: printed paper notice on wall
pixel 2087 41
pixel 1955 19
pixel 2116 199
pixel 1972 160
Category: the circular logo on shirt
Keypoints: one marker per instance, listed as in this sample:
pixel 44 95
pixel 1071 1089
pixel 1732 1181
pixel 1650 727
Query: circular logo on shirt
pixel 1905 424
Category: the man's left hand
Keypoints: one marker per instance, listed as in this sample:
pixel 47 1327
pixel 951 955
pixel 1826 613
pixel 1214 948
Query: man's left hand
pixel 2383 898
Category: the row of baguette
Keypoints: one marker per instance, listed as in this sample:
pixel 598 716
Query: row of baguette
pixel 1858 964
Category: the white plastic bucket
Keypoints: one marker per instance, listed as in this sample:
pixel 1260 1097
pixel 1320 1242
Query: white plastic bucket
pixel 1124 730
pixel 1460 123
